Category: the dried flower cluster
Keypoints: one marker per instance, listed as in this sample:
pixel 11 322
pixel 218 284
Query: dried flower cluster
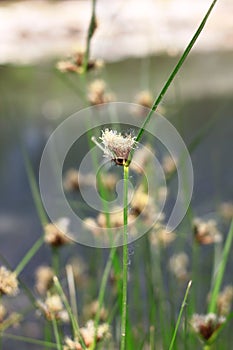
pixel 8 282
pixel 56 234
pixel 53 307
pixel 178 265
pixel 109 181
pixel 75 63
pixel 169 164
pixel 8 320
pixel 141 204
pixel 91 310
pixel 206 232
pixel 73 179
pixel 115 221
pixel 144 98
pixel 206 325
pixel 44 279
pixel 140 201
pixel 144 101
pixel 97 93
pixel 224 301
pixel 88 334
pixel 226 210
pixel 159 236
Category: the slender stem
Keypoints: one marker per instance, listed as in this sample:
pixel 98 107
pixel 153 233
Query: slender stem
pixel 91 30
pixel 180 314
pixel 28 340
pixel 174 72
pixel 102 292
pixel 72 290
pixel 55 260
pixel 125 262
pixel 47 333
pixel 34 188
pixel 74 321
pixel 29 255
pixel 152 337
pixel 56 333
pixel 221 270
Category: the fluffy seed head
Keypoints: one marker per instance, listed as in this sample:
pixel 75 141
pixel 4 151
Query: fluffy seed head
pixel 44 279
pixel 116 145
pixel 55 234
pixel 3 312
pixel 88 334
pixel 178 265
pixel 206 232
pixel 8 282
pixel 224 300
pixel 52 307
pixel 226 210
pixel 206 325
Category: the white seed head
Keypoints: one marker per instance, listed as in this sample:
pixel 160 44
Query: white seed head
pixel 117 145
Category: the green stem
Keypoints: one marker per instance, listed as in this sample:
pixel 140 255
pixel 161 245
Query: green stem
pixel 125 262
pixel 29 340
pixel 174 72
pixel 47 333
pixel 73 320
pixel 221 270
pixel 56 334
pixel 72 291
pixel 102 291
pixel 34 188
pixel 32 251
pixel 91 30
pixel 180 314
pixel 55 260
pixel 152 337
pixel 206 347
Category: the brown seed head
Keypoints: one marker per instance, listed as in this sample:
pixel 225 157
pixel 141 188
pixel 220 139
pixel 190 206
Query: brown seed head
pixel 56 234
pixel 206 232
pixel 206 325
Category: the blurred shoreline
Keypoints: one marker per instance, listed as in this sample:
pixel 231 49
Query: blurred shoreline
pixel 31 31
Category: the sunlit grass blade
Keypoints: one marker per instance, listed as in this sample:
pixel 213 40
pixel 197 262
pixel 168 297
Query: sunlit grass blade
pixel 175 71
pixel 221 271
pixel 180 315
